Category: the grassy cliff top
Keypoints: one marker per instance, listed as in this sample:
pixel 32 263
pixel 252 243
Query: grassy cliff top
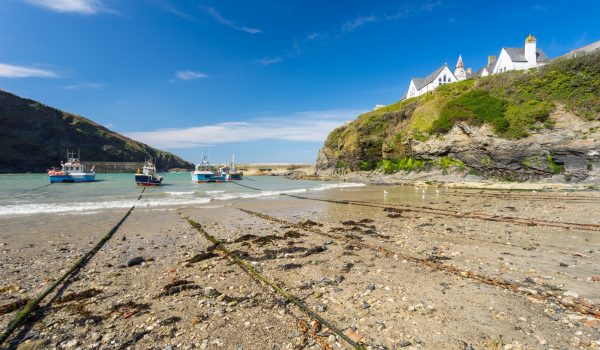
pixel 513 103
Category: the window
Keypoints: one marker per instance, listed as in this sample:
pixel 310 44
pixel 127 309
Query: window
pixel 444 78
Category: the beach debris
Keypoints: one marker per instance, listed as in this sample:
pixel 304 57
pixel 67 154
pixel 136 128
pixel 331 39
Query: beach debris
pixel 347 267
pixel 129 308
pixel 177 287
pixel 290 266
pixel 315 250
pixel 293 234
pixel 170 320
pixel 266 239
pixel 135 261
pixel 596 278
pixel 201 257
pixel 353 335
pixel 15 305
pixel 78 296
pixel 309 223
pixel 245 238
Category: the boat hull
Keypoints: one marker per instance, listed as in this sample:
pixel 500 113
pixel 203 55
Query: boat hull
pixel 203 178
pixel 147 180
pixel 70 178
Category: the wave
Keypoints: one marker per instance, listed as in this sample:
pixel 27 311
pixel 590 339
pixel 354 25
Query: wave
pixel 174 199
pixel 183 193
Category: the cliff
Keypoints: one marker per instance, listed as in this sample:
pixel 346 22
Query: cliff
pixel 35 137
pixel 520 125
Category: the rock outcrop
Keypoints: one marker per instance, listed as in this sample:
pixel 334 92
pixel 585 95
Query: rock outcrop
pixel 516 126
pixel 35 137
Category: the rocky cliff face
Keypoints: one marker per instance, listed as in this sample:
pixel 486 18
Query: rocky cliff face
pixel 35 137
pixel 570 151
pixel 516 126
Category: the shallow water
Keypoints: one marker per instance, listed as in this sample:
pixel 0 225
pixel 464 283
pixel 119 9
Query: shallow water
pixel 27 194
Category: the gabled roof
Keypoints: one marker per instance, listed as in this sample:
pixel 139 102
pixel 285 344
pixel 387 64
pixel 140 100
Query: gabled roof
pixel 422 82
pixel 517 54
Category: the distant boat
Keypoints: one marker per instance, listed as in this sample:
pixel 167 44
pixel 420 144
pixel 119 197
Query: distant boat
pixel 147 176
pixel 234 173
pixel 203 172
pixel 71 171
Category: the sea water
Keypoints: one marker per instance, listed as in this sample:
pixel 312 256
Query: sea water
pixel 30 194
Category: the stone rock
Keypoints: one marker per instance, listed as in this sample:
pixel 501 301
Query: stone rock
pixel 135 261
pixel 403 344
pixel 571 293
pixel 210 292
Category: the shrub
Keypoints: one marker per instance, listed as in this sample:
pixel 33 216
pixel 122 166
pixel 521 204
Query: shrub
pixel 474 107
pixel 408 164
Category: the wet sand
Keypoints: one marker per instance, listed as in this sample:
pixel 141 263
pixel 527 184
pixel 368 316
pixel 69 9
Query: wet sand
pixel 418 291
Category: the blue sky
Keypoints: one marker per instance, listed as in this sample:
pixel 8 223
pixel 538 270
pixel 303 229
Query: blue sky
pixel 266 80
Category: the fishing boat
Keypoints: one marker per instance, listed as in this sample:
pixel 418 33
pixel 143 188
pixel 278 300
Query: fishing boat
pixel 71 171
pixel 222 174
pixel 234 173
pixel 147 176
pixel 203 172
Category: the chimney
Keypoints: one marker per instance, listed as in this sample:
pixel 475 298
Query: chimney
pixel 531 51
pixel 469 71
pixel 491 60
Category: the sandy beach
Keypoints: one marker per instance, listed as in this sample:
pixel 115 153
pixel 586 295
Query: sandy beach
pixel 389 266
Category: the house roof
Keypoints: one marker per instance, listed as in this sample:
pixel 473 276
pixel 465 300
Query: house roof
pixel 517 54
pixel 422 82
pixel 585 49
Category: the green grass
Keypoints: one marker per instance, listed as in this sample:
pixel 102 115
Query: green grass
pixel 553 166
pixel 407 164
pixel 474 107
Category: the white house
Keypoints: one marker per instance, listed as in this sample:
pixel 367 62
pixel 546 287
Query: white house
pixel 516 58
pixel 441 76
pixel 488 69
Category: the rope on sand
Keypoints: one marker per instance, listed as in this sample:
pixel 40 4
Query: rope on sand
pixel 24 313
pixel 258 276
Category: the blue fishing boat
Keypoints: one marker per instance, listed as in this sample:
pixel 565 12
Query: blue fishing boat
pixel 222 174
pixel 203 172
pixel 147 176
pixel 71 171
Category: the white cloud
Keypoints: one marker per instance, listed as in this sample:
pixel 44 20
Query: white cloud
pixel 10 71
pixel 303 126
pixel 219 18
pixel 189 75
pixel 84 7
pixel 84 85
pixel 265 61
pixel 358 22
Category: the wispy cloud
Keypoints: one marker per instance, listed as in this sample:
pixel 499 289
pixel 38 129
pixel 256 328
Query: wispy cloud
pixel 84 85
pixel 11 71
pixel 299 46
pixel 84 7
pixel 311 126
pixel 358 22
pixel 219 18
pixel 265 61
pixel 189 75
